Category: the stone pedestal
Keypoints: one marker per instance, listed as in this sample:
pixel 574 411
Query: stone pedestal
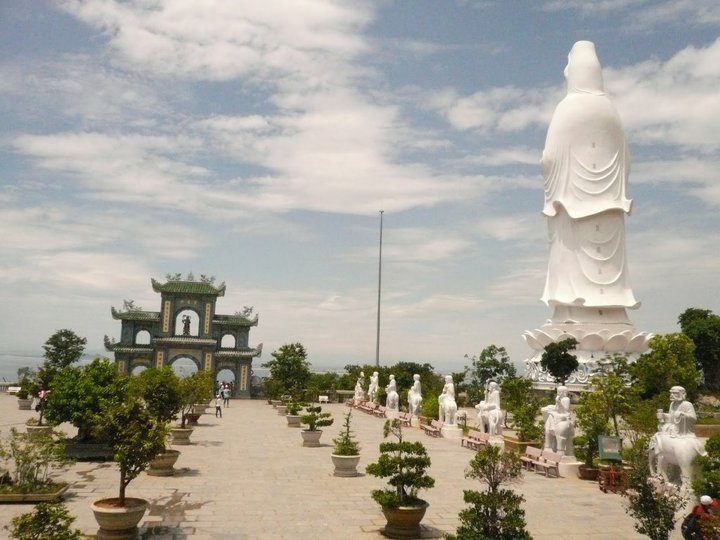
pixel 451 431
pixel 414 422
pixel 569 467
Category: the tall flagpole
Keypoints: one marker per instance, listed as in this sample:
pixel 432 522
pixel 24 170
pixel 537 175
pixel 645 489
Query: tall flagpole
pixel 377 342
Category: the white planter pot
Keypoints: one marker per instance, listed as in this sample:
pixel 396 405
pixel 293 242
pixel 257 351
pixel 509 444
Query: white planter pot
pixel 311 438
pixel 345 466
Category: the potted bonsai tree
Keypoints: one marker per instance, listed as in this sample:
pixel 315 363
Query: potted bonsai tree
pixel 136 437
pixel 314 418
pixel 346 452
pixel 293 413
pixel 159 389
pixel 23 394
pixel 404 464
pixel 518 399
pixel 194 388
pixel 31 459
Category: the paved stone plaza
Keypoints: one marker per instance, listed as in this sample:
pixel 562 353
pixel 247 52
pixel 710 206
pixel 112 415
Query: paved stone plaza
pixel 248 477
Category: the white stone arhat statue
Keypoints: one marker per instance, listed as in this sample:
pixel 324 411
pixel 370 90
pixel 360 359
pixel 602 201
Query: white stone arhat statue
pixel 373 387
pixel 415 397
pixel 559 426
pixel 447 406
pixel 585 168
pixel 392 400
pixel 489 414
pixel 359 392
pixel 675 442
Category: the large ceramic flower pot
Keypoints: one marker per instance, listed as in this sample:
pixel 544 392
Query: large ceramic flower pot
pixel 200 408
pixel 180 436
pixel 192 419
pixel 118 522
pixel 38 431
pixel 587 473
pixel 163 463
pixel 293 420
pixel 24 404
pixel 345 466
pixel 281 410
pixel 403 521
pixel 311 438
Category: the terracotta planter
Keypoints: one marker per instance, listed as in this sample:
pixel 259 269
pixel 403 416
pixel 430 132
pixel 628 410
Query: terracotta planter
pixel 180 436
pixel 34 497
pixel 311 438
pixel 191 419
pixel 587 473
pixel 293 420
pixel 25 404
pixel 163 463
pixel 345 466
pixel 118 522
pixel 403 521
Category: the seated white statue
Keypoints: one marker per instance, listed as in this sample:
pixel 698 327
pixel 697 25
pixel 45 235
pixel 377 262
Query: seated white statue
pixel 559 428
pixel 675 442
pixel 415 396
pixel 359 392
pixel 392 401
pixel 489 415
pixel 373 387
pixel 447 407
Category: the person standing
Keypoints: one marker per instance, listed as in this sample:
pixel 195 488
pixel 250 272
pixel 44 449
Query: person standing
pixel 226 395
pixel 218 406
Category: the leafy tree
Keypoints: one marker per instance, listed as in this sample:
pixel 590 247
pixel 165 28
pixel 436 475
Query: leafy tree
pixel 703 327
pixel 78 393
pixel 194 389
pixel 653 510
pixel 558 361
pixel 670 362
pixel 135 435
pixel 47 521
pixel 518 399
pixel 63 348
pixel 708 480
pixel 289 370
pixel 160 390
pixel 26 372
pixel 492 364
pixel 494 514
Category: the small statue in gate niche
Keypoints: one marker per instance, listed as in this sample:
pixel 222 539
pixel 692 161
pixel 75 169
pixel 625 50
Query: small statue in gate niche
pixel 186 325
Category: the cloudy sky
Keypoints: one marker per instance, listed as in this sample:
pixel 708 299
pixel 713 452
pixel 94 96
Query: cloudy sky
pixel 257 142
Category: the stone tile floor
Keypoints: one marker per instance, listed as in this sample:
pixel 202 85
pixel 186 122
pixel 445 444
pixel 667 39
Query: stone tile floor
pixel 247 477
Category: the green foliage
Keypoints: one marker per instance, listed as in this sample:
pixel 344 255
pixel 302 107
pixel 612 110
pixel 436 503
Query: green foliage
pixel 26 372
pixel 47 521
pixel 63 348
pixel 315 418
pixel 702 326
pixel 494 514
pixel 493 364
pixel 31 460
pixel 159 388
pixel 321 383
pixel 294 407
pixel 558 361
pixel 670 362
pixel 519 400
pixel 25 388
pixel 404 464
pixel 195 388
pixel 289 371
pixel 430 407
pixel 608 398
pixel 135 435
pixel 707 481
pixel 653 511
pixel 78 393
pixel 345 443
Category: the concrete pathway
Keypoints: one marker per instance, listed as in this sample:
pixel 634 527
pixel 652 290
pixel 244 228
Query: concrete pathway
pixel 247 477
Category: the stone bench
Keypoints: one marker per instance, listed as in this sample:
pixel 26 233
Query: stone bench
pixel 549 461
pixel 433 428
pixel 475 440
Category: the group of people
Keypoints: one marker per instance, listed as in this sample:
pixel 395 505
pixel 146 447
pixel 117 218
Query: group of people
pixel 222 397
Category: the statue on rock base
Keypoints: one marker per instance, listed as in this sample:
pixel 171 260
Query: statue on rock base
pixel 415 397
pixel 490 417
pixel 675 442
pixel 559 427
pixel 392 401
pixel 446 402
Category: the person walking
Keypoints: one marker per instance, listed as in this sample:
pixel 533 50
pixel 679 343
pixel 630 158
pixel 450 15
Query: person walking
pixel 218 406
pixel 226 395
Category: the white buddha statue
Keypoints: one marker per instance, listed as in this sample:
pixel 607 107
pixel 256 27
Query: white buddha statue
pixel 559 427
pixel 415 397
pixel 585 166
pixel 392 400
pixel 373 386
pixel 446 402
pixel 490 416
pixel 359 392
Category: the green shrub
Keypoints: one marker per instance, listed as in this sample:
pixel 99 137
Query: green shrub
pixel 48 521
